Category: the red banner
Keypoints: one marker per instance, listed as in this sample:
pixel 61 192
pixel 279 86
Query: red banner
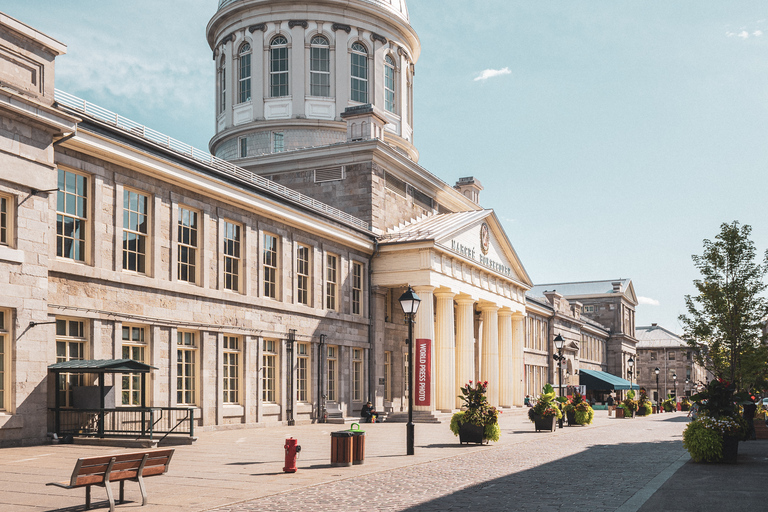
pixel 423 375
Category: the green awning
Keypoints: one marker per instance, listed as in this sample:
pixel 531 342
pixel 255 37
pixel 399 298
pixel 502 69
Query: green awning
pixel 602 381
pixel 101 366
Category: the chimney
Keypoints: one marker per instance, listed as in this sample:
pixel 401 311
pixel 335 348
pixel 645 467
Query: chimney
pixel 364 122
pixel 470 187
pixel 616 286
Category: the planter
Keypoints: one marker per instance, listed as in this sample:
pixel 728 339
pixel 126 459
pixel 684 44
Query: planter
pixel 761 429
pixel 571 415
pixel 544 422
pixel 469 433
pixel 619 412
pixel 730 449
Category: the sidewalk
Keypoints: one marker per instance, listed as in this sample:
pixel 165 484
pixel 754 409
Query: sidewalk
pixel 613 464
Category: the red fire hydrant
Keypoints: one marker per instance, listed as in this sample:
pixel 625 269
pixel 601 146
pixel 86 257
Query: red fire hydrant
pixel 292 450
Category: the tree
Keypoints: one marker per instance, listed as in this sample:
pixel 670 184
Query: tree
pixel 726 320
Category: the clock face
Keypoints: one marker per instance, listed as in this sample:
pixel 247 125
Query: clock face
pixel 485 238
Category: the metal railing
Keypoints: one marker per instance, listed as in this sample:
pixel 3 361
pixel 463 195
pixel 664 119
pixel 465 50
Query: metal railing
pixel 135 422
pixel 182 148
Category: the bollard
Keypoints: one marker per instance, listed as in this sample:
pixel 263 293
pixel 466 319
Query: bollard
pixel 292 450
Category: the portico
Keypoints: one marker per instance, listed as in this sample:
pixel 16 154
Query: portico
pixel 472 289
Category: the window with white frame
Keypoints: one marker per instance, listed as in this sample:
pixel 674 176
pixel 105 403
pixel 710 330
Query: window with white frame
pixel 389 84
pixel 269 371
pixel 278 142
pixel 71 215
pixel 244 78
pixel 134 347
pixel 278 67
pixel 5 358
pixel 319 67
pixel 270 262
pixel 303 274
pixel 331 281
pixel 135 231
pixel 186 368
pixel 333 373
pixel 671 355
pixel 357 374
pixel 222 85
pixel 357 288
pixel 359 64
pixel 71 342
pixel 187 244
pixel 5 220
pixel 302 372
pixel 388 376
pixel 231 252
pixel 231 369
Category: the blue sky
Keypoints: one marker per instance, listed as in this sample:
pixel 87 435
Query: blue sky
pixel 611 137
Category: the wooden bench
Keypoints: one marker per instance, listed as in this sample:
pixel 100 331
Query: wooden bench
pixel 117 468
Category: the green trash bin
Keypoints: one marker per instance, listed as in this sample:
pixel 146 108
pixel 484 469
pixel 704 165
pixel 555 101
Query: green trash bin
pixel 358 444
pixel 341 448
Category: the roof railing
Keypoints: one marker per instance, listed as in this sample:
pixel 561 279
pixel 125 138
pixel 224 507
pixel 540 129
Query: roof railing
pixel 223 166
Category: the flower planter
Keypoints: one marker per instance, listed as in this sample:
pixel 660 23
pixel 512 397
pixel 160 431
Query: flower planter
pixel 730 449
pixel 469 433
pixel 571 415
pixel 544 422
pixel 619 412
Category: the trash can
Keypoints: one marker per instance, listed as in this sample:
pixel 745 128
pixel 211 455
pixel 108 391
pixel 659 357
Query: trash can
pixel 358 444
pixel 341 448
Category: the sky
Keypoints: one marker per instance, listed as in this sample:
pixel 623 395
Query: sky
pixel 612 137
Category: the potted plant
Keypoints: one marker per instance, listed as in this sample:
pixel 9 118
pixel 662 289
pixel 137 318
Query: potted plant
pixel 685 405
pixel 546 411
pixel 630 405
pixel 620 410
pixel 578 411
pixel 669 404
pixel 644 407
pixel 478 421
pixel 715 434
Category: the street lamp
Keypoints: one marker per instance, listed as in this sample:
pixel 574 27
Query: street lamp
pixel 559 343
pixel 658 396
pixel 409 301
pixel 630 364
pixel 674 379
pixel 687 381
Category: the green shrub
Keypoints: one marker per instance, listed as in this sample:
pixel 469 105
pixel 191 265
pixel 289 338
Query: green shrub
pixel 645 409
pixel 456 421
pixel 584 414
pixel 492 432
pixel 703 443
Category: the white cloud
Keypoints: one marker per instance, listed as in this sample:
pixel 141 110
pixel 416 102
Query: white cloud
pixel 647 301
pixel 757 33
pixel 491 73
pixel 744 34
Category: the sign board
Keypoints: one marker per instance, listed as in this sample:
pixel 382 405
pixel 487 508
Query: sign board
pixel 423 375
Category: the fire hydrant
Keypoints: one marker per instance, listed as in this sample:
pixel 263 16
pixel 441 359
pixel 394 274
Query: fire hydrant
pixel 292 450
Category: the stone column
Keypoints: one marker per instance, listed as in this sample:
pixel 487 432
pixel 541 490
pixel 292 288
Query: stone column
pixel 506 375
pixel 445 349
pixel 424 328
pixel 465 343
pixel 489 369
pixel 518 361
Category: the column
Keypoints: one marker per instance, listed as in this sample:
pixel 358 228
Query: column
pixel 445 349
pixel 489 369
pixel 296 65
pixel 518 361
pixel 506 375
pixel 424 328
pixel 465 346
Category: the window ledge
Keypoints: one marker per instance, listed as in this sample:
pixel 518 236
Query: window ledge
pixel 231 410
pixel 11 255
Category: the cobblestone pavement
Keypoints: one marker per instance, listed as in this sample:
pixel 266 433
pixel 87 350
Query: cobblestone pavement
pixel 590 469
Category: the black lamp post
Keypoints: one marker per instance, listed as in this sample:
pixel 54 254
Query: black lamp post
pixel 687 381
pixel 674 379
pixel 409 301
pixel 658 396
pixel 559 344
pixel 630 365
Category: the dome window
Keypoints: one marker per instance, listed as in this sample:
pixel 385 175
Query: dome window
pixel 359 73
pixel 278 67
pixel 320 67
pixel 389 84
pixel 245 73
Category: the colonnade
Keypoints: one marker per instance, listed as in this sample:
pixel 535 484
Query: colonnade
pixel 451 326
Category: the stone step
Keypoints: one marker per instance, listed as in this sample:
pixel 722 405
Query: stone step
pixel 420 417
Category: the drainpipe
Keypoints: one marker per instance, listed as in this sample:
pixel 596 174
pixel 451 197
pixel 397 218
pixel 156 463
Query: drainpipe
pixel 371 333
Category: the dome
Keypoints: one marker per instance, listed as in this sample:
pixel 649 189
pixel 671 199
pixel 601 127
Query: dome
pixel 397 7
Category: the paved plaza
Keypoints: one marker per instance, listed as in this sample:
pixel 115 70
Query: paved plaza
pixel 614 464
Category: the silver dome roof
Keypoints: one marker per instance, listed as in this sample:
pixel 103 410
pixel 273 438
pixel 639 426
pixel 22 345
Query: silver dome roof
pixel 397 7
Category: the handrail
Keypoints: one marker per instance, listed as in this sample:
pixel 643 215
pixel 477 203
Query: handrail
pixel 182 148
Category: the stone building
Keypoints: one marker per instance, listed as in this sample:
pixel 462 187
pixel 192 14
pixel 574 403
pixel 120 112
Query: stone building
pixel 679 374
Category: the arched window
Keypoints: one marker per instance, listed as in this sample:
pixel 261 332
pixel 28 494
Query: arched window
pixel 245 73
pixel 223 85
pixel 278 67
pixel 319 67
pixel 389 84
pixel 359 73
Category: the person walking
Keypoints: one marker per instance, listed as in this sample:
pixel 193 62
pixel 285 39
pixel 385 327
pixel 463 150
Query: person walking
pixel 749 414
pixel 611 405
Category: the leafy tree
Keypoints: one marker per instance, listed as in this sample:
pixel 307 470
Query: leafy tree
pixel 726 319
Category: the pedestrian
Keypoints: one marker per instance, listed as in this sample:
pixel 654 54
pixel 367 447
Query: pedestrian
pixel 527 401
pixel 693 412
pixel 749 414
pixel 368 413
pixel 611 405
